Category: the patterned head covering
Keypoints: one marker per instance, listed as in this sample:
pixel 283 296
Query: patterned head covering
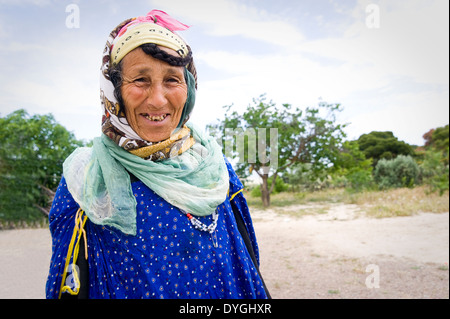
pixel 157 27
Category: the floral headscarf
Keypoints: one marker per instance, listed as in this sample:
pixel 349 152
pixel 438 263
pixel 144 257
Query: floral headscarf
pixel 156 27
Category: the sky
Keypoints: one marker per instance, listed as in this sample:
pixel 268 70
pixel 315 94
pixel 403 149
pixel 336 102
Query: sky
pixel 385 62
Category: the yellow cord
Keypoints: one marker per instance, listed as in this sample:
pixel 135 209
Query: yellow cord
pixel 78 232
pixel 232 196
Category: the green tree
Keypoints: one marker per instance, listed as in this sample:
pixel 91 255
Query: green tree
pixel 434 162
pixel 32 150
pixel 435 170
pixel 284 134
pixel 383 145
pixel 437 138
pixel 354 167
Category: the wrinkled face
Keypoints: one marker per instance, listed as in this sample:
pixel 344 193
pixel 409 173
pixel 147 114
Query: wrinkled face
pixel 154 94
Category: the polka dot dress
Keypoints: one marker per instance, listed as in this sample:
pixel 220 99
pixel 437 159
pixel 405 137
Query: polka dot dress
pixel 168 257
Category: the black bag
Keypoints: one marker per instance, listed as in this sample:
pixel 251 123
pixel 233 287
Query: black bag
pixel 83 268
pixel 243 231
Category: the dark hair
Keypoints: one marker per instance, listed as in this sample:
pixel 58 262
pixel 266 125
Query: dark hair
pixel 115 72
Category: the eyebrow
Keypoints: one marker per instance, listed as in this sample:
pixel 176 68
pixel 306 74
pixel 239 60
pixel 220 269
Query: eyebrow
pixel 171 70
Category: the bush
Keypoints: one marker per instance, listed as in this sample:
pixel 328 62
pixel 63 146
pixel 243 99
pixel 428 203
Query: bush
pixel 402 171
pixel 280 186
pixel 359 179
pixel 435 170
pixel 256 191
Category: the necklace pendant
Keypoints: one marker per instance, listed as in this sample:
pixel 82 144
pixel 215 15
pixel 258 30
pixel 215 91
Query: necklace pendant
pixel 214 238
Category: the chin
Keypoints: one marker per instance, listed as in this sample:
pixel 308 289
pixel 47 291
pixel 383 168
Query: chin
pixel 155 131
pixel 155 137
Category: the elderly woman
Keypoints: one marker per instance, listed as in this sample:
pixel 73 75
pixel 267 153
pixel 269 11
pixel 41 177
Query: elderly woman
pixel 153 209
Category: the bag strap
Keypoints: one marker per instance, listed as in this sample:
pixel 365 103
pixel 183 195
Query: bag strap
pixel 245 236
pixel 80 273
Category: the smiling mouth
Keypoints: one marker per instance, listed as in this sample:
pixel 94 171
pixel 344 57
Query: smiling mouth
pixel 155 118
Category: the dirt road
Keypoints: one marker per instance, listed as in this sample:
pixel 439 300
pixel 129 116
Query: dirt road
pixel 343 255
pixel 337 254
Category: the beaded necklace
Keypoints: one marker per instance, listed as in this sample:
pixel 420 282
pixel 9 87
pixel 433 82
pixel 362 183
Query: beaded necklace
pixel 211 228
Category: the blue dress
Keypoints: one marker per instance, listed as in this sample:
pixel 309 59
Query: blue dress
pixel 168 257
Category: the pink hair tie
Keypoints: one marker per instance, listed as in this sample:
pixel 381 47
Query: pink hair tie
pixel 158 17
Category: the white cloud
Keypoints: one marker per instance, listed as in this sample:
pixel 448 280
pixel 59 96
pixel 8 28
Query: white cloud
pixel 53 75
pixel 231 18
pixel 287 78
pixel 412 40
pixel 39 3
pixel 400 69
pixel 408 116
pixel 54 78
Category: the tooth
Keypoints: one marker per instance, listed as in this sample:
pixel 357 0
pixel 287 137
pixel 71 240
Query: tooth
pixel 156 118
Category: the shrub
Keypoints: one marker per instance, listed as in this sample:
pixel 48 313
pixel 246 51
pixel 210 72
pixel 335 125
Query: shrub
pixel 280 186
pixel 256 191
pixel 435 170
pixel 402 171
pixel 359 179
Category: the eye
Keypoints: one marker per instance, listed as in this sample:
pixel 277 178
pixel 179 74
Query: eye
pixel 141 82
pixel 173 80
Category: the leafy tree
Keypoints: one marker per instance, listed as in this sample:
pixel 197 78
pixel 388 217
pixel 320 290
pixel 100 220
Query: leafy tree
pixel 32 150
pixel 434 162
pixel 383 145
pixel 354 167
pixel 285 134
pixel 302 177
pixel 435 170
pixel 428 136
pixel 439 139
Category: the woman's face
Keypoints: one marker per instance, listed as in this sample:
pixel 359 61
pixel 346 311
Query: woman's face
pixel 154 94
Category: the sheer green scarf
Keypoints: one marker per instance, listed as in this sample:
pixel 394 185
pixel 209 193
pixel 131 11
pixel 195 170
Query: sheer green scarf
pixel 195 181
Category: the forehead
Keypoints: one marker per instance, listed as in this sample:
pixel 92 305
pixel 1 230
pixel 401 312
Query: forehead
pixel 138 61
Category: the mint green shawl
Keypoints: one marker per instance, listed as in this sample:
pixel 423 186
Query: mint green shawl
pixel 195 181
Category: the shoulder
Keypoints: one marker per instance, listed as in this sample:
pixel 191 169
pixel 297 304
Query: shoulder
pixel 75 163
pixel 74 172
pixel 64 208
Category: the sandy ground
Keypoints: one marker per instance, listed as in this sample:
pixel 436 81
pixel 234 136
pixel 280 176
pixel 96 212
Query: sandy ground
pixel 341 254
pixel 338 254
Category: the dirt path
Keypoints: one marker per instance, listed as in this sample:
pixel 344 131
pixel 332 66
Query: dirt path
pixel 329 255
pixel 332 255
pixel 24 259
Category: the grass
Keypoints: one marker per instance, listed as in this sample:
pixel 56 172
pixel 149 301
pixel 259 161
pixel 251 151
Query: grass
pixel 401 202
pixel 443 267
pixel 288 198
pixel 378 204
pixel 20 224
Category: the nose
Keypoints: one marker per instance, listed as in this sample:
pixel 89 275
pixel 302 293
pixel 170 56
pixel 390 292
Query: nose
pixel 157 96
